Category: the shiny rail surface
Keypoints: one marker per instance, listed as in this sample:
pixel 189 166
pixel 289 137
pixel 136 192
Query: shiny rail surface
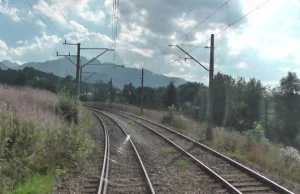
pixel 98 185
pixel 141 164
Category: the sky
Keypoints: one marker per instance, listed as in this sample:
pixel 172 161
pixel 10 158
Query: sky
pixel 264 45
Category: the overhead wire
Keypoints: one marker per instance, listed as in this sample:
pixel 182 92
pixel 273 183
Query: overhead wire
pixel 60 34
pixel 184 35
pixel 114 25
pixel 35 31
pixel 230 25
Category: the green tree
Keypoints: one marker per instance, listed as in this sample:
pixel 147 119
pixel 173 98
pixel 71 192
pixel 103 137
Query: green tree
pixel 171 95
pixel 21 79
pixel 287 108
pixel 129 93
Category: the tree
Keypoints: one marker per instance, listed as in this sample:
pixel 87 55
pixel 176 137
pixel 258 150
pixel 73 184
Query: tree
pixel 171 95
pixel 223 91
pixel 287 100
pixel 21 79
pixel 129 93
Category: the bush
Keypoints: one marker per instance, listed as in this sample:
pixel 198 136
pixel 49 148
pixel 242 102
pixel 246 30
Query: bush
pixel 170 116
pixel 290 155
pixel 257 133
pixel 66 106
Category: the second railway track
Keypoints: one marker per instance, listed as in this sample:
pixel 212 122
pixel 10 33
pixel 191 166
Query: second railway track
pixel 234 176
pixel 126 172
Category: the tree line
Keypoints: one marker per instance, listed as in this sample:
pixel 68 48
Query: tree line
pixel 239 104
pixel 37 79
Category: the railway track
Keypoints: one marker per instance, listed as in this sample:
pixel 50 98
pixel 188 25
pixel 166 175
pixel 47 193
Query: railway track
pixel 123 170
pixel 98 185
pixel 235 177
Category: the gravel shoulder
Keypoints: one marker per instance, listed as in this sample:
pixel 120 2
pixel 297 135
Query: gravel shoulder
pixel 169 170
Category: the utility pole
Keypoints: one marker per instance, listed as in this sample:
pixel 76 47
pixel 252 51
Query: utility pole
pixel 77 76
pixel 210 84
pixel 211 89
pixel 142 91
pixel 79 69
pixel 86 91
pixel 110 91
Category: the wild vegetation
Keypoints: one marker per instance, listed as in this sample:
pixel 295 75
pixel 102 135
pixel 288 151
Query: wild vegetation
pixel 39 143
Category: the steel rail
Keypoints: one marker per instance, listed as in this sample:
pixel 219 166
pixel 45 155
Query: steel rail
pixel 230 187
pixel 250 172
pixel 151 188
pixel 105 165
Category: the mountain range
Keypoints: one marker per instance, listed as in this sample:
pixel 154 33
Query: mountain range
pixel 106 71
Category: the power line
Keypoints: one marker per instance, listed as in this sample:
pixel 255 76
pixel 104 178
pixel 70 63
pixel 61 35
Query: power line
pixel 50 21
pixel 233 23
pixel 183 36
pixel 227 14
pixel 59 32
pixel 36 32
pixel 40 16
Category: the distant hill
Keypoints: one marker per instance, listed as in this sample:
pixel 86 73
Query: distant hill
pixel 10 64
pixel 3 67
pixel 63 67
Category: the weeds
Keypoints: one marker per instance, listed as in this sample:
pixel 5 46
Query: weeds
pixel 168 149
pixel 182 163
pixel 130 122
pixel 38 184
pixel 30 150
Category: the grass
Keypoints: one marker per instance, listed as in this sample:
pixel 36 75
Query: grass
pixel 144 132
pixel 130 122
pixel 262 153
pixel 38 184
pixel 182 163
pixel 42 141
pixel 168 149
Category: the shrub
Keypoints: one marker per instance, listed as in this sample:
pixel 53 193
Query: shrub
pixel 170 116
pixel 66 106
pixel 257 133
pixel 290 155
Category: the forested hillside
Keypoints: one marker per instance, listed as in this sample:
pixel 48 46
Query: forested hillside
pixel 36 79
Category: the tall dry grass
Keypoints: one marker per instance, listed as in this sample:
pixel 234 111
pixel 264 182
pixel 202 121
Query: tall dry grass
pixel 29 104
pixel 35 141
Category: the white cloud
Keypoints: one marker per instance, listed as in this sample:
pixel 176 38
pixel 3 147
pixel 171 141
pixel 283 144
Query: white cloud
pixel 53 11
pixel 287 25
pixel 45 47
pixel 3 49
pixel 96 16
pixel 141 51
pixel 185 23
pixel 78 27
pixel 9 11
pixel 242 65
pixel 40 23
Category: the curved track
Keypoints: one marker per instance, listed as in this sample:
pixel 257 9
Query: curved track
pixel 236 177
pixel 126 171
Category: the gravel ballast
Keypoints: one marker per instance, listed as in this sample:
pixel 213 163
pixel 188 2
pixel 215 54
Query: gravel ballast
pixel 168 169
